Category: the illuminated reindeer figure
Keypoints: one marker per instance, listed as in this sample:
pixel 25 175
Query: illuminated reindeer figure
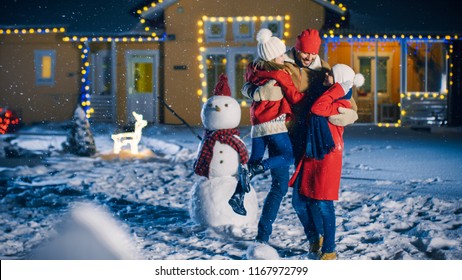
pixel 132 138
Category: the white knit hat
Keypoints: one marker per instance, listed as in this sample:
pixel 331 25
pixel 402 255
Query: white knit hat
pixel 343 73
pixel 269 47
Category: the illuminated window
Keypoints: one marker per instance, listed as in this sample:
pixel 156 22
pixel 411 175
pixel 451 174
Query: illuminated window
pixel 143 77
pixel 215 31
pixel 45 61
pixel 243 30
pixel 426 67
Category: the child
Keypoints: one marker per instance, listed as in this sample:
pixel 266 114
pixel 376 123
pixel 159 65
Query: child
pixel 268 130
pixel 319 172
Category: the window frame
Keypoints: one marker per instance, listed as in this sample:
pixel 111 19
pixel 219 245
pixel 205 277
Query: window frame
pixel 38 67
pixel 280 23
pixel 243 38
pixel 209 37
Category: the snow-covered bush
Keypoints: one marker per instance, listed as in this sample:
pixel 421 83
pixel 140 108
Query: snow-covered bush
pixel 80 140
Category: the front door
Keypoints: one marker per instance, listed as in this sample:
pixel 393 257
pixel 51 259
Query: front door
pixel 142 84
pixel 374 97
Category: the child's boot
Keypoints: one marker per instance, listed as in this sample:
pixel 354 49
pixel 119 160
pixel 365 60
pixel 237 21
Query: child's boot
pixel 237 201
pixel 248 172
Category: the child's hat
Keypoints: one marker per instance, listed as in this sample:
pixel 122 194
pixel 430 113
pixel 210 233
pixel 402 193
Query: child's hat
pixel 343 73
pixel 269 47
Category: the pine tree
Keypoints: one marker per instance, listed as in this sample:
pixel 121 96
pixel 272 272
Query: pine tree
pixel 80 139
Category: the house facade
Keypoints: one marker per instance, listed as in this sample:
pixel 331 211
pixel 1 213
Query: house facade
pixel 175 52
pixel 172 52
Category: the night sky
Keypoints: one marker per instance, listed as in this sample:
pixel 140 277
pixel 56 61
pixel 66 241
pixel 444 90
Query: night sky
pixel 114 16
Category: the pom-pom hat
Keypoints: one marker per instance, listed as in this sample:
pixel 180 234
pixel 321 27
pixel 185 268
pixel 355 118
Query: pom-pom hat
pixel 343 73
pixel 269 47
pixel 308 41
pixel 222 87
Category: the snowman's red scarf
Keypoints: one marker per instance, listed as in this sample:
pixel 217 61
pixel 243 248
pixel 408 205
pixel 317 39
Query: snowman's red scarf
pixel 224 136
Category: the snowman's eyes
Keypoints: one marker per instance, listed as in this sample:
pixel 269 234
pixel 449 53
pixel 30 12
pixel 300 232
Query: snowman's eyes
pixel 226 105
pixel 209 104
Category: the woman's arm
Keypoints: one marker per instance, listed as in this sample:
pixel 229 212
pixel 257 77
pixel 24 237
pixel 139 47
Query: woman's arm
pixel 327 104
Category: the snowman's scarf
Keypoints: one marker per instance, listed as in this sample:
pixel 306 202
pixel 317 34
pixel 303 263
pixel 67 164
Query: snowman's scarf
pixel 224 136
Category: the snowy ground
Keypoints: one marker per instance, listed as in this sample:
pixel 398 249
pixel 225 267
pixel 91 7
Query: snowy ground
pixel 401 196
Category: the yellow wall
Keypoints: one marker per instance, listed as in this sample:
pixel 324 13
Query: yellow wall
pixel 181 85
pixel 17 78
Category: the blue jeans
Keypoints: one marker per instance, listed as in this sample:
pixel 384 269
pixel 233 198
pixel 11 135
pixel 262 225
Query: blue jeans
pixel 279 160
pixel 317 218
pixel 279 150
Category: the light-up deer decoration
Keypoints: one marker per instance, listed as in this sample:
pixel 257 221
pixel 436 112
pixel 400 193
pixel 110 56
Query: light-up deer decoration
pixel 131 138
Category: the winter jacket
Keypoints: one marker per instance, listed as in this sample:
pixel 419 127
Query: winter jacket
pixel 320 179
pixel 268 117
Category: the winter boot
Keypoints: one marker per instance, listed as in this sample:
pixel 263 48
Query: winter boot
pixel 248 172
pixel 328 256
pixel 237 201
pixel 316 246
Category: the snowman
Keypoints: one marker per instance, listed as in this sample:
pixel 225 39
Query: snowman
pixel 220 155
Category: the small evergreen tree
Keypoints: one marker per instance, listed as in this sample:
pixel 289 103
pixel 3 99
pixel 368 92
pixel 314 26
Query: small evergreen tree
pixel 80 139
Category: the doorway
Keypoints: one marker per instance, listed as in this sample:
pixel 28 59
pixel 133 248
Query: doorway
pixel 374 98
pixel 142 84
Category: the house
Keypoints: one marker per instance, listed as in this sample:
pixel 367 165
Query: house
pixel 115 57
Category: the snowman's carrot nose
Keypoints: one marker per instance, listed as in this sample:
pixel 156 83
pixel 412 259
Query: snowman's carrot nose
pixel 218 109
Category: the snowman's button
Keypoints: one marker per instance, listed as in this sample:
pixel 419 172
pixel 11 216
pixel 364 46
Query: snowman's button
pixel 221 161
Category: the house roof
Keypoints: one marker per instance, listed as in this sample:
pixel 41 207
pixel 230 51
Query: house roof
pixel 83 17
pixel 415 17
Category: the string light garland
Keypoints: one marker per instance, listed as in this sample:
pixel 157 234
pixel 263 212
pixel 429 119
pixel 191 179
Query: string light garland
pixel 85 82
pixel 143 20
pixel 47 30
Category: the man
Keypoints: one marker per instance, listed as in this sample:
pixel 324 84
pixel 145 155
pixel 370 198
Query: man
pixel 308 72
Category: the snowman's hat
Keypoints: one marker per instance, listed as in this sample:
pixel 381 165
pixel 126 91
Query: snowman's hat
pixel 222 87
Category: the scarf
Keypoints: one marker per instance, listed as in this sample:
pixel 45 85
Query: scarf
pixel 224 136
pixel 319 141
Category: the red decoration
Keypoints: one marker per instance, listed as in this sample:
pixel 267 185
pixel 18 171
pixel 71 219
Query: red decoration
pixel 9 121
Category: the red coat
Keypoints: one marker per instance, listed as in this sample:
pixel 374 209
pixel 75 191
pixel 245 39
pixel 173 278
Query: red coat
pixel 320 179
pixel 264 111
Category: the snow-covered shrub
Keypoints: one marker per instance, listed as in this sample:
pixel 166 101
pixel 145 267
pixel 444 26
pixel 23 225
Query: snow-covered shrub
pixel 80 140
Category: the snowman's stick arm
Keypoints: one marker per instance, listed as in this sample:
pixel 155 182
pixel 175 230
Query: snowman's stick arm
pixel 178 116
